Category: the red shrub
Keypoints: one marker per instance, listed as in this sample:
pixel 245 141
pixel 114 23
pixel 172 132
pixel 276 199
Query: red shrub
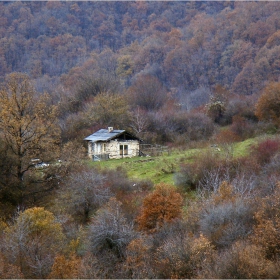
pixel 265 150
pixel 242 127
pixel 227 136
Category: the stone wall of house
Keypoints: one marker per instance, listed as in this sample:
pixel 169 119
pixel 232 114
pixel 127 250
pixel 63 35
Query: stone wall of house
pixel 90 150
pixel 112 148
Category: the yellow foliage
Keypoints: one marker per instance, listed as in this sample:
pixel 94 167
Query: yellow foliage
pixel 3 225
pixel 268 105
pixel 28 124
pixel 225 193
pixel 39 220
pixel 33 241
pixel 125 66
pixel 74 244
pixel 107 108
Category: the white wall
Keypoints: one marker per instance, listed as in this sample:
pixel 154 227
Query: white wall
pixel 113 148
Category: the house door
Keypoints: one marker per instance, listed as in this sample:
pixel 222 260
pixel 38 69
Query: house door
pixel 123 150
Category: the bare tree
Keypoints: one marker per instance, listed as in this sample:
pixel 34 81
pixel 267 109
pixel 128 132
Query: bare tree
pixel 33 241
pixel 84 192
pixel 227 222
pixel 212 179
pixel 148 93
pixel 109 230
pixel 139 120
pixel 243 184
pixel 241 261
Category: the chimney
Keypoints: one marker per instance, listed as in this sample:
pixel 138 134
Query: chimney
pixel 110 129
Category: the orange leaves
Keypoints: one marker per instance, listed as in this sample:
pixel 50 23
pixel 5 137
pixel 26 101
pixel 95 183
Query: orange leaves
pixel 64 268
pixel 225 194
pixel 137 259
pixel 268 105
pixel 162 205
pixel 227 136
pixel 9 271
pixel 267 230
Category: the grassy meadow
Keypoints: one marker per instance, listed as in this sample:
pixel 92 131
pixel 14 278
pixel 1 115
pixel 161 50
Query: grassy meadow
pixel 162 168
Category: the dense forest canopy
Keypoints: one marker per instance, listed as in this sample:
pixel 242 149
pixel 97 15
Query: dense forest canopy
pixel 187 45
pixel 181 51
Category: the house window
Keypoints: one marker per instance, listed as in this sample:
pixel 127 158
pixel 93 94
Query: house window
pixel 103 148
pixel 123 150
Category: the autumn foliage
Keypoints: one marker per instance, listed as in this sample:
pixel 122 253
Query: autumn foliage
pixel 197 79
pixel 268 105
pixel 32 242
pixel 161 206
pixel 265 150
pixel 65 268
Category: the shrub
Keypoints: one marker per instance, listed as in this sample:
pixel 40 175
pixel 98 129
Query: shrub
pixel 185 179
pixel 266 231
pixel 265 150
pixel 139 260
pixel 268 105
pixel 148 93
pixel 190 174
pixel 9 271
pixel 199 127
pixel 226 217
pixel 83 193
pixel 242 127
pixel 272 168
pixel 241 261
pixel 65 268
pixel 225 223
pixel 241 107
pixel 162 205
pixel 227 136
pixel 110 231
pixel 181 256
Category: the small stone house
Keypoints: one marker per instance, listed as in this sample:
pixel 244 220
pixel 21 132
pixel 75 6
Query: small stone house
pixel 110 143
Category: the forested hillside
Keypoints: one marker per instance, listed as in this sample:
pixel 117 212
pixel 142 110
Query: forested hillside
pixel 186 45
pixel 199 78
pixel 180 51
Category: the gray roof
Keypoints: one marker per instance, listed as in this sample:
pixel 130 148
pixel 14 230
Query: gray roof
pixel 104 135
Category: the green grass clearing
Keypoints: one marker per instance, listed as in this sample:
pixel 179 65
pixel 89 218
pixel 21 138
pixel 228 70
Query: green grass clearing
pixel 156 169
pixel 162 168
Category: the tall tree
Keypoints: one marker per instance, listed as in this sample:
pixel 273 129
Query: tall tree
pixel 108 109
pixel 148 93
pixel 27 127
pixel 110 230
pixel 33 241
